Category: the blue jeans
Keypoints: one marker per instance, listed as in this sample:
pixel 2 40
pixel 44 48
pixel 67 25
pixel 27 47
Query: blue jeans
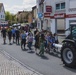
pixel 29 45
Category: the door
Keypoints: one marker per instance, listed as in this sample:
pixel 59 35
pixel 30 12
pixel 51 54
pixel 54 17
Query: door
pixel 60 25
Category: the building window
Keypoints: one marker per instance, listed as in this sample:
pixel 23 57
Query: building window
pixel 60 6
pixel 57 6
pixel 1 16
pixel 63 5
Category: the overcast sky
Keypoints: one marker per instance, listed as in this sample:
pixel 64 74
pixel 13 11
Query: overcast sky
pixel 14 6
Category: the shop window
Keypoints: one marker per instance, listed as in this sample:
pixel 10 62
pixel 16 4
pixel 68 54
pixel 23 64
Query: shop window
pixel 57 6
pixel 63 5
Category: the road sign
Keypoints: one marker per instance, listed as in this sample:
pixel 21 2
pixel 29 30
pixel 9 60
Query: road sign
pixel 40 15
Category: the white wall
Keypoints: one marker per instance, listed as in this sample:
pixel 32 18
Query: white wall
pixel 2 13
pixel 45 24
pixel 53 26
pixel 70 4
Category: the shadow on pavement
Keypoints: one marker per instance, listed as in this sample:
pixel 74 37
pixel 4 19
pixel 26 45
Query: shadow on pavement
pixel 43 56
pixel 24 49
pixel 18 44
pixel 4 44
pixel 55 55
pixel 70 69
pixel 31 52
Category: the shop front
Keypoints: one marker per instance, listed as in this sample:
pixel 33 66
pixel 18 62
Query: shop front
pixel 60 23
pixel 3 24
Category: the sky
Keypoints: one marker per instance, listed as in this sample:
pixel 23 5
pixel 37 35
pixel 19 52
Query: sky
pixel 13 6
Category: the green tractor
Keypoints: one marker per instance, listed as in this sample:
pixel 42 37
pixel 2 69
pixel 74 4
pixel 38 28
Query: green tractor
pixel 68 50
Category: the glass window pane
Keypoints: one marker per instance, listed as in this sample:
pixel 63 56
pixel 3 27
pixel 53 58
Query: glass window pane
pixel 57 6
pixel 63 5
pixel 74 32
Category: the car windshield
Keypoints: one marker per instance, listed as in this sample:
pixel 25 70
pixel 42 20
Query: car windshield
pixel 74 32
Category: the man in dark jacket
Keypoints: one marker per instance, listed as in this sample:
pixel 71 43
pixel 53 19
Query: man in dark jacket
pixel 3 32
pixel 17 36
pixel 9 35
pixel 35 31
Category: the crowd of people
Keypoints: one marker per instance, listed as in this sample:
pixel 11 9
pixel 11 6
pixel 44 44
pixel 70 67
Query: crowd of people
pixel 43 40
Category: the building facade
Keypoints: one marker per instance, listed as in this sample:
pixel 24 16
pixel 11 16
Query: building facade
pixel 57 14
pixel 34 15
pixel 22 16
pixel 2 15
pixel 40 12
pixel 30 18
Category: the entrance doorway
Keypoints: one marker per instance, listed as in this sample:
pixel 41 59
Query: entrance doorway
pixel 60 26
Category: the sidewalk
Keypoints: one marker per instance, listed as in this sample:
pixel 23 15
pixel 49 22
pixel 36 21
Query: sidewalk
pixel 12 67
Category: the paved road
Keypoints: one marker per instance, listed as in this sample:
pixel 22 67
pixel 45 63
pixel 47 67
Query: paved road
pixel 48 65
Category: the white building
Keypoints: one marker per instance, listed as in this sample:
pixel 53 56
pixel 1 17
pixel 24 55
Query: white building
pixel 57 14
pixel 2 14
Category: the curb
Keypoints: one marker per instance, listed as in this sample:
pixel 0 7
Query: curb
pixel 9 57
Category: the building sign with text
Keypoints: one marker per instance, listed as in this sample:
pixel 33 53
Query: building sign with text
pixel 47 15
pixel 49 9
pixel 3 22
pixel 62 15
pixel 70 15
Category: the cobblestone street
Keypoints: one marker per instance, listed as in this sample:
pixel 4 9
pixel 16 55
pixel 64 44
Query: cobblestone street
pixel 11 67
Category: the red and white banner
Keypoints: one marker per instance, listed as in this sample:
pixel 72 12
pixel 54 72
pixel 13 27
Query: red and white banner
pixel 47 15
pixel 70 15
pixel 61 15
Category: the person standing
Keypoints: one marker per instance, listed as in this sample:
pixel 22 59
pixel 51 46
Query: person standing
pixel 17 32
pixel 56 38
pixel 37 41
pixel 9 35
pixel 3 33
pixel 42 44
pixel 35 31
pixel 30 40
pixel 13 34
pixel 23 40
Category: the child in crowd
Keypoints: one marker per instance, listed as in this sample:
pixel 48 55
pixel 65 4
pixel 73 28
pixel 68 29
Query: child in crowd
pixel 30 40
pixel 56 38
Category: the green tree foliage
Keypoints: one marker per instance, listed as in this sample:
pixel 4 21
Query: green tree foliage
pixel 7 16
pixel 11 18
